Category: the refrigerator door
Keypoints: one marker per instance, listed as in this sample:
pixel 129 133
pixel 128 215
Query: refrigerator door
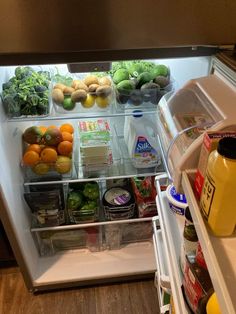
pixel 82 31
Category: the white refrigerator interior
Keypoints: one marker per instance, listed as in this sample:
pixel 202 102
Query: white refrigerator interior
pixel 73 266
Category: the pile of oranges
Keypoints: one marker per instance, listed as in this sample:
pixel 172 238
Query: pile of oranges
pixel 49 148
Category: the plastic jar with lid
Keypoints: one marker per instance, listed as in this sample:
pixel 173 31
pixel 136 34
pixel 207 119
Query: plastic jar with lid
pixel 218 195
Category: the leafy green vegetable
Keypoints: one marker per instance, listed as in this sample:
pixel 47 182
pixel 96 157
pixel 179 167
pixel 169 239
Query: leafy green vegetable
pixel 27 92
pixel 63 79
pixel 91 191
pixel 74 200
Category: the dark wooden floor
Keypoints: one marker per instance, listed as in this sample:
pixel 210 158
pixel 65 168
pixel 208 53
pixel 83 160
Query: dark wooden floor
pixel 133 298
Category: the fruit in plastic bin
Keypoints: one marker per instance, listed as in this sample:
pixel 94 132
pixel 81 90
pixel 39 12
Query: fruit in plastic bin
pixel 65 148
pixel 68 90
pixel 79 95
pixel 52 136
pixel 43 129
pixel 63 164
pixel 41 168
pixel 93 87
pixel 91 79
pixel 32 135
pixel 74 200
pixel 102 102
pixel 51 127
pixel 104 81
pixel 160 69
pixel 48 154
pixel 125 87
pixel 144 78
pixel 67 127
pixel 120 75
pixel 30 158
pixel 91 191
pixel 162 81
pixel 212 306
pixel 66 136
pixel 136 97
pixel 103 91
pixel 135 70
pixel 89 101
pixel 57 96
pixel 68 104
pixel 81 85
pixel 59 86
pixel 34 147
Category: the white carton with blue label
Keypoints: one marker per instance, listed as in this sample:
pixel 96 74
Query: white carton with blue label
pixel 177 202
pixel 141 140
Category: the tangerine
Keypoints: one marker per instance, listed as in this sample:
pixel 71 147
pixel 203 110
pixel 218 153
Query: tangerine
pixel 52 127
pixel 43 129
pixel 65 148
pixel 67 127
pixel 34 147
pixel 66 136
pixel 30 158
pixel 49 154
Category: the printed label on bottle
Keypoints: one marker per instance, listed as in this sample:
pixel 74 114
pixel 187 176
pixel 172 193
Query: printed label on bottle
pixel 144 151
pixel 207 195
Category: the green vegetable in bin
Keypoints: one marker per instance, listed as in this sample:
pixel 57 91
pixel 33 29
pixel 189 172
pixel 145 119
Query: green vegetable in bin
pixel 90 205
pixel 91 191
pixel 74 200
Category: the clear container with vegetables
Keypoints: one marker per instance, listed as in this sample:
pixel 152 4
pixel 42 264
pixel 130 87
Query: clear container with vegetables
pixel 88 93
pixel 83 202
pixel 140 83
pixel 26 93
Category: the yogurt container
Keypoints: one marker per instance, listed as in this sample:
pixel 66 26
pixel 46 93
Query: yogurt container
pixel 177 202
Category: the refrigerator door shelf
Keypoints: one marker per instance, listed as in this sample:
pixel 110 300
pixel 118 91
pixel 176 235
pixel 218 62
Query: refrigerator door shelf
pixel 219 252
pixel 172 228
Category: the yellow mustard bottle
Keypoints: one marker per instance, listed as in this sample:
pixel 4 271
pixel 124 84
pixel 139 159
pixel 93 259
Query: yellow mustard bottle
pixel 218 196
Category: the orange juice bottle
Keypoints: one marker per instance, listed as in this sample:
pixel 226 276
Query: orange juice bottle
pixel 218 196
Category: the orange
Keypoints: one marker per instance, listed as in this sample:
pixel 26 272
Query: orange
pixel 34 147
pixel 67 127
pixel 43 128
pixel 65 148
pixel 66 136
pixel 30 158
pixel 49 154
pixel 51 127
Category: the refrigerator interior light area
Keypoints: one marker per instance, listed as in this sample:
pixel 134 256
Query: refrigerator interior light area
pixel 77 266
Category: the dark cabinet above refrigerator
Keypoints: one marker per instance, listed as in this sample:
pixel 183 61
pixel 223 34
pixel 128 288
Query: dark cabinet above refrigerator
pixel 81 31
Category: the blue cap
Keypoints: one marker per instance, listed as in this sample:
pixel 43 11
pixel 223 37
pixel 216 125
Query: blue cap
pixel 137 113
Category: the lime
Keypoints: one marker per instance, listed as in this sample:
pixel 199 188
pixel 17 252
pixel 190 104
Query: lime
pixel 89 101
pixel 102 102
pixel 68 104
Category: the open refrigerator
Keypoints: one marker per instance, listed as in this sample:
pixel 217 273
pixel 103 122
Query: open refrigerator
pixel 103 249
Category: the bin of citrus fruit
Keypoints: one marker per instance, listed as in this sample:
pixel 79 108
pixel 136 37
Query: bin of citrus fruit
pixel 80 95
pixel 48 150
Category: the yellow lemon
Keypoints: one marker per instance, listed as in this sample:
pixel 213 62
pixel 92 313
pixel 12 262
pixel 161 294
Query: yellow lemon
pixel 63 164
pixel 89 101
pixel 102 102
pixel 41 168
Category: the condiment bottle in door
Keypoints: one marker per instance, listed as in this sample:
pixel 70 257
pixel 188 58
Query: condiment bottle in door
pixel 218 195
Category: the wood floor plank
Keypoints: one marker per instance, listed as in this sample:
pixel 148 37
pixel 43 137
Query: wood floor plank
pixel 126 298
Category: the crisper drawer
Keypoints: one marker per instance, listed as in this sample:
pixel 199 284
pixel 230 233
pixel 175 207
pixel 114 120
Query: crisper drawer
pixel 93 237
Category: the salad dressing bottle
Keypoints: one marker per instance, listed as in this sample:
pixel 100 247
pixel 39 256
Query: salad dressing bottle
pixel 217 201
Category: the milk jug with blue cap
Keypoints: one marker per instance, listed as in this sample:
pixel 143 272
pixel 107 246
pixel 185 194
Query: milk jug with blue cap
pixel 140 135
